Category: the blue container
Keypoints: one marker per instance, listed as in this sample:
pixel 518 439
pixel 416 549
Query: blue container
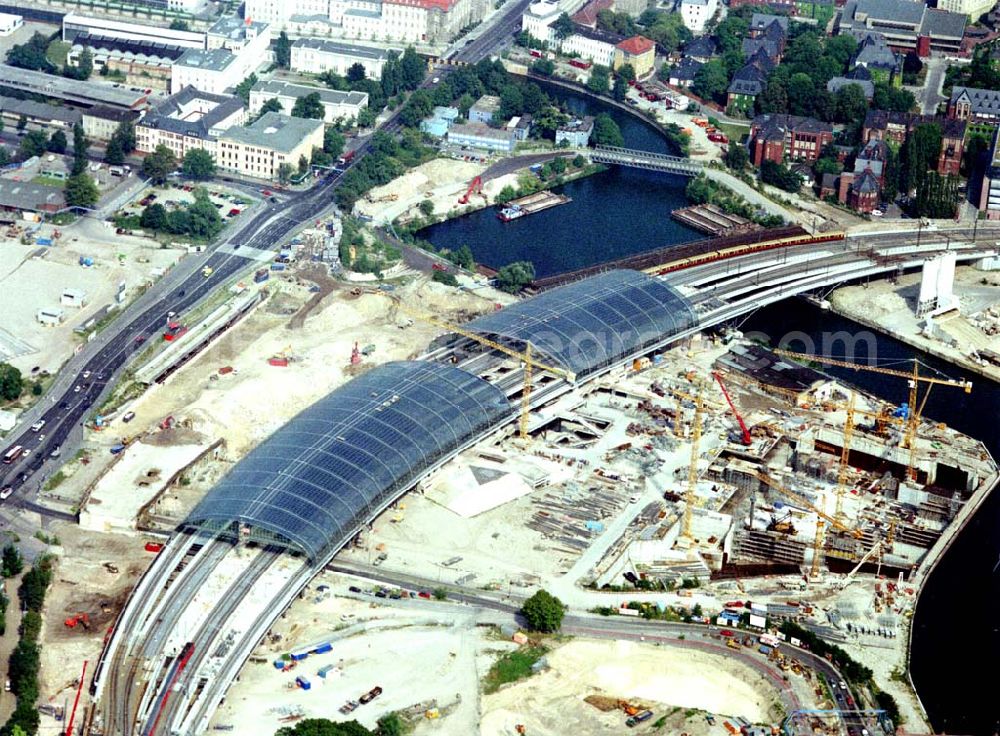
pixel 279 664
pixel 303 683
pixel 43 241
pixel 299 656
pixel 323 648
pixel 277 266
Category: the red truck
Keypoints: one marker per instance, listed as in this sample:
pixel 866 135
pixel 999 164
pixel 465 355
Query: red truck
pixel 174 330
pixel 346 158
pixel 579 64
pixel 536 53
pixel 718 138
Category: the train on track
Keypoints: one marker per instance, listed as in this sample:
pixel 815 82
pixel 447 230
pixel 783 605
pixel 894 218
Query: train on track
pixel 741 250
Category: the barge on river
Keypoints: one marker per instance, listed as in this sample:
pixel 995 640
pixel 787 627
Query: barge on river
pixel 531 204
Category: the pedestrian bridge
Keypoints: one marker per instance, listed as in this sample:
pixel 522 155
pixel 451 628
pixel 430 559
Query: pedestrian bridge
pixel 645 160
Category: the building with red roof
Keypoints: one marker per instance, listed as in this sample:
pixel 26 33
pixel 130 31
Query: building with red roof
pixel 638 51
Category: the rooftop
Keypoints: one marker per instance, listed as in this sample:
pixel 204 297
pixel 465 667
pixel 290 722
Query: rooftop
pixel 212 59
pixel 701 47
pixel 278 88
pixel 193 113
pixel 578 125
pixel 587 15
pixel 636 45
pixel 138 48
pixel 773 126
pixel 686 70
pixel 344 49
pixel 478 130
pixel 274 131
pixel 235 28
pixel 22 195
pixel 51 85
pixel 487 103
pixel 760 21
pixel 40 111
pixel 838 83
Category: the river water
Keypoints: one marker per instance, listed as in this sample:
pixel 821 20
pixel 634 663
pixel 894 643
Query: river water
pixel 956 637
pixel 613 214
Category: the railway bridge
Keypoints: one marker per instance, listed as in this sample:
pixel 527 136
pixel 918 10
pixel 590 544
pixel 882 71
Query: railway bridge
pixel 646 160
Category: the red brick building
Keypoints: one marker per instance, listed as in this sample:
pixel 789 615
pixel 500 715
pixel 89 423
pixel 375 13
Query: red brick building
pixel 860 192
pixel 776 137
pixel 895 127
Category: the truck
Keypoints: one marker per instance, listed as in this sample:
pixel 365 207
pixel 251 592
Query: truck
pixel 732 644
pixel 261 275
pixel 207 271
pixel 764 649
pixel 346 158
pixel 580 63
pixel 639 718
pixel 303 682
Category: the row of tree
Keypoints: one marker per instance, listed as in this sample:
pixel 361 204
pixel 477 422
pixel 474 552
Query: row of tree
pixel 23 665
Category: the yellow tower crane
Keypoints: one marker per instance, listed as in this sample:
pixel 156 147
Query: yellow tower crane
pixel 692 480
pixel 845 453
pixel 824 518
pixel 913 377
pixel 529 363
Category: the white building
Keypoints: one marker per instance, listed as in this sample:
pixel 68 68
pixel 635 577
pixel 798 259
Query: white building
pixel 73 25
pixel 73 298
pixel 538 18
pixel 10 23
pixel 344 105
pixel 50 316
pixel 259 150
pixel 234 49
pixel 697 13
pixel 596 46
pixel 412 21
pixel 189 120
pixel 315 56
pixel 971 8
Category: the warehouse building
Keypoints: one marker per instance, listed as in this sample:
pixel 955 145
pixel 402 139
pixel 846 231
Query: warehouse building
pixel 74 25
pixel 477 135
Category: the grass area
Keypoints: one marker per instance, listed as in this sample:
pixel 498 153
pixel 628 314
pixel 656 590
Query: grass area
pixel 58 51
pixel 54 480
pixel 734 131
pixel 49 181
pixel 512 666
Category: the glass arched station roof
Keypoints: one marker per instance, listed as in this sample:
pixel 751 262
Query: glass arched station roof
pixel 318 478
pixel 590 324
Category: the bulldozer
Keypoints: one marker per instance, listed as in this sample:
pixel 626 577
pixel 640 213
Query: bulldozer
pixel 80 618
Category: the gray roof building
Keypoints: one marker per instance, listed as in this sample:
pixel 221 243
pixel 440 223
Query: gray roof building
pixel 873 51
pixel 752 45
pixel 40 112
pixel 277 88
pixel 901 21
pixel 872 157
pixel 685 72
pixel 838 83
pixel 347 49
pixel 702 49
pixel 169 114
pixel 28 197
pixel 71 90
pixel 749 80
pixel 275 131
pixel 760 21
pixel 146 51
pixel 213 59
pixel 982 103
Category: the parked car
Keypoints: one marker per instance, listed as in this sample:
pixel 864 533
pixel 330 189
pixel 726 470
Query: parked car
pixel 371 695
pixel 4 495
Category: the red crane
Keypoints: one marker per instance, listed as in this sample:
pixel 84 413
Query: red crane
pixel 475 187
pixel 746 438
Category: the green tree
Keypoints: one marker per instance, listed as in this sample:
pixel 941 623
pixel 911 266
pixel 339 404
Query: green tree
pixel 31 54
pixel 606 131
pixel 285 172
pixel 801 94
pixel 81 191
pixel 390 725
pixel 736 156
pixel 333 142
pixel 515 276
pixel 204 220
pixel 125 135
pixel 711 81
pixel 244 87
pixel 849 103
pixel 840 48
pixel 563 27
pixel 579 161
pixel 12 563
pixel 11 383
pixel 309 106
pixel 600 79
pixel 543 612
pixel 626 72
pixel 892 98
pixel 426 207
pixel 780 176
pixel 283 51
pixel 33 144
pixel 57 143
pixel 154 217
pixel 114 154
pixel 412 69
pixel 179 24
pixel 774 98
pixel 544 67
pixel 198 164
pixel 22 123
pixel 79 151
pixel 159 164
pixel 323 727
pixel 272 105
pixel 355 72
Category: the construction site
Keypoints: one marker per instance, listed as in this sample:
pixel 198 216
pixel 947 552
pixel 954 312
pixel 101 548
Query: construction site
pixel 714 482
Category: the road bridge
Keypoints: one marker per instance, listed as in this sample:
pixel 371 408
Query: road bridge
pixel 646 160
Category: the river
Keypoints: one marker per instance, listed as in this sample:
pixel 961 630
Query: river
pixel 956 639
pixel 613 214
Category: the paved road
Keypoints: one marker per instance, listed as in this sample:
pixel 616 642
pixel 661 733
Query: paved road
pixel 502 28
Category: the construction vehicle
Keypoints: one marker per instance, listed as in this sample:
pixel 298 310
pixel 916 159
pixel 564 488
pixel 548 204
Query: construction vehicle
pixel 80 618
pixel 207 271
pixel 914 379
pixel 475 187
pixel 167 422
pixel 113 569
pixel 745 437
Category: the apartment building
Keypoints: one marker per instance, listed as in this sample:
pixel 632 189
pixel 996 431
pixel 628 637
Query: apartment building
pixel 190 119
pixel 342 105
pixel 777 137
pixel 315 56
pixel 233 50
